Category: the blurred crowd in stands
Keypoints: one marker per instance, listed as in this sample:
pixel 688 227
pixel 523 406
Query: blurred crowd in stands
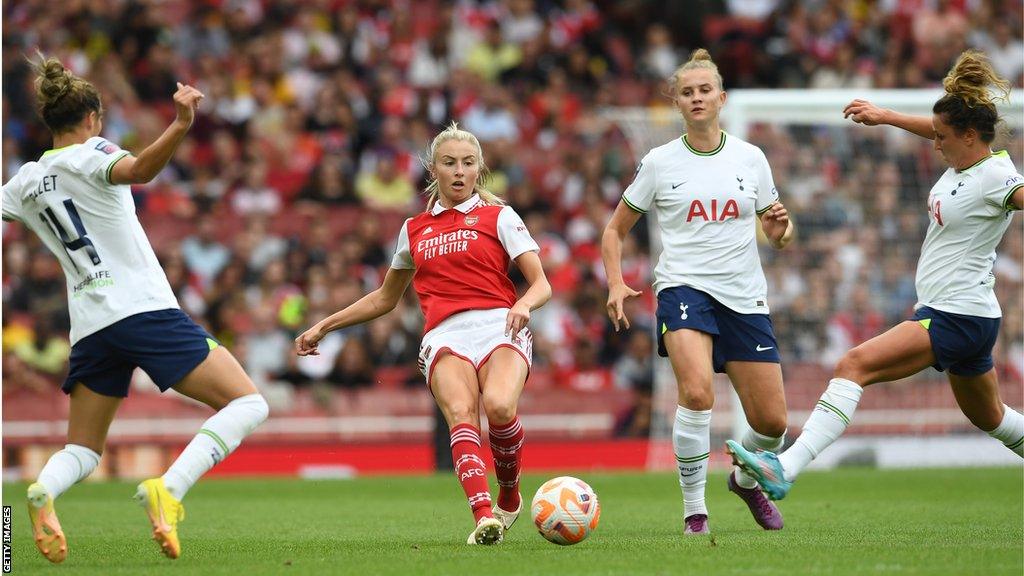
pixel 283 203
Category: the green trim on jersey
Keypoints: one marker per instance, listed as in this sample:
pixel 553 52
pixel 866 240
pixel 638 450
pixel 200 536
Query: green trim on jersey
pixel 56 150
pixel 1009 195
pixel 992 155
pixel 110 167
pixel 926 322
pixel 212 344
pixel 721 144
pixel 630 204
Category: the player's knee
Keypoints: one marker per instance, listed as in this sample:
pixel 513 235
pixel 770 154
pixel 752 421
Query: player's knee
pixel 986 420
pixel 248 412
pixel 773 426
pixel 696 398
pixel 499 410
pixel 853 366
pixel 461 413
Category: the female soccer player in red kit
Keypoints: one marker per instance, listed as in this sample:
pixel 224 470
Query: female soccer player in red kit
pixel 476 345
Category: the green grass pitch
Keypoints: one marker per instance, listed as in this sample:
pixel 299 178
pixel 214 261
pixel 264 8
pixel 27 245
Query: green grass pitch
pixel 851 521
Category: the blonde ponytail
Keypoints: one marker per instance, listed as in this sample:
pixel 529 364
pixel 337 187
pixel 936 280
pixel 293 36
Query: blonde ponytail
pixel 971 79
pixel 969 102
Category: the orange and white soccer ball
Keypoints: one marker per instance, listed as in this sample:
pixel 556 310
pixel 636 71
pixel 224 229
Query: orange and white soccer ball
pixel 565 510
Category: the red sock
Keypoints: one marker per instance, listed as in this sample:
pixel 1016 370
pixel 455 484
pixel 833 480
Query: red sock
pixel 471 470
pixel 507 447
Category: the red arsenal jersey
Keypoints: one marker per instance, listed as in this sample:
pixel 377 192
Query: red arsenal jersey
pixel 461 256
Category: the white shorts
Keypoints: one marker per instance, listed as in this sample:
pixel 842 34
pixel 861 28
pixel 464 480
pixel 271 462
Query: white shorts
pixel 472 335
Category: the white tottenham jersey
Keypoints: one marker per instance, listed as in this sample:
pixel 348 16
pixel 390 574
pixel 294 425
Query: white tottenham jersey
pixel 90 225
pixel 706 203
pixel 969 211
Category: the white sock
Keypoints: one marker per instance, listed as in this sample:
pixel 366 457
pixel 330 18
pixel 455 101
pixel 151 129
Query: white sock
pixel 1010 431
pixel 67 467
pixel 218 437
pixel 754 441
pixel 828 421
pixel 691 438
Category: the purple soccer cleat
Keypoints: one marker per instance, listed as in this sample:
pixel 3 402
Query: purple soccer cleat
pixel 765 513
pixel 696 524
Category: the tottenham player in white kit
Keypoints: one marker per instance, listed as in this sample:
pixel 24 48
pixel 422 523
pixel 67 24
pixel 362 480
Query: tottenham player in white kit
pixel 707 189
pixel 77 198
pixel 957 316
pixel 476 346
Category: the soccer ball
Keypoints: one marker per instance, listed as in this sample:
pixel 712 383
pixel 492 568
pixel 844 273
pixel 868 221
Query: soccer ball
pixel 565 510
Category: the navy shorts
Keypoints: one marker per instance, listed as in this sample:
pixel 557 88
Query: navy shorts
pixel 962 344
pixel 735 336
pixel 167 344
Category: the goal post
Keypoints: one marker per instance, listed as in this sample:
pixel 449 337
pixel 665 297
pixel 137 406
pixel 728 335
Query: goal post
pixel 646 127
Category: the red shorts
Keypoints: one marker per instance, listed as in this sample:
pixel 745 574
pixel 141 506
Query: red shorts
pixel 472 335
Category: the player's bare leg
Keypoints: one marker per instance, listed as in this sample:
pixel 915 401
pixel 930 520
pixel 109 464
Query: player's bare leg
pixel 690 354
pixel 89 420
pixel 759 387
pixel 978 397
pixel 457 392
pixel 502 378
pixel 217 381
pixel 901 351
pixel 220 383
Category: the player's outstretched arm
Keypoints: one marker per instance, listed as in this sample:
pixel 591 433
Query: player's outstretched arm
pixel 144 167
pixel 373 305
pixel 866 113
pixel 538 293
pixel 622 221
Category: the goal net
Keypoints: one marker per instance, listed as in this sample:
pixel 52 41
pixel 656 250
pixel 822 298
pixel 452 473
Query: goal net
pixel 858 196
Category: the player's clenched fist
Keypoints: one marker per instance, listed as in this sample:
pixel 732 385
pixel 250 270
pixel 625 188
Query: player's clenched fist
pixel 186 101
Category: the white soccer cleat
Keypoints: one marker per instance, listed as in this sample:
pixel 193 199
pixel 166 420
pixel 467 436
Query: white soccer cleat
pixel 508 518
pixel 488 531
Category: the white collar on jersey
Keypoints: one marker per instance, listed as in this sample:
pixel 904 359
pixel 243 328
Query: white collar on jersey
pixel 464 207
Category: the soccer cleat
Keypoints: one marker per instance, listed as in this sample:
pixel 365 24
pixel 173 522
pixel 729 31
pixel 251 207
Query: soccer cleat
pixel 762 466
pixel 508 518
pixel 488 531
pixel 765 513
pixel 46 531
pixel 696 524
pixel 164 512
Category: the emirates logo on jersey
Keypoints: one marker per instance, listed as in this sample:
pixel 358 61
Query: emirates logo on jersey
pixel 471 220
pixel 446 243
